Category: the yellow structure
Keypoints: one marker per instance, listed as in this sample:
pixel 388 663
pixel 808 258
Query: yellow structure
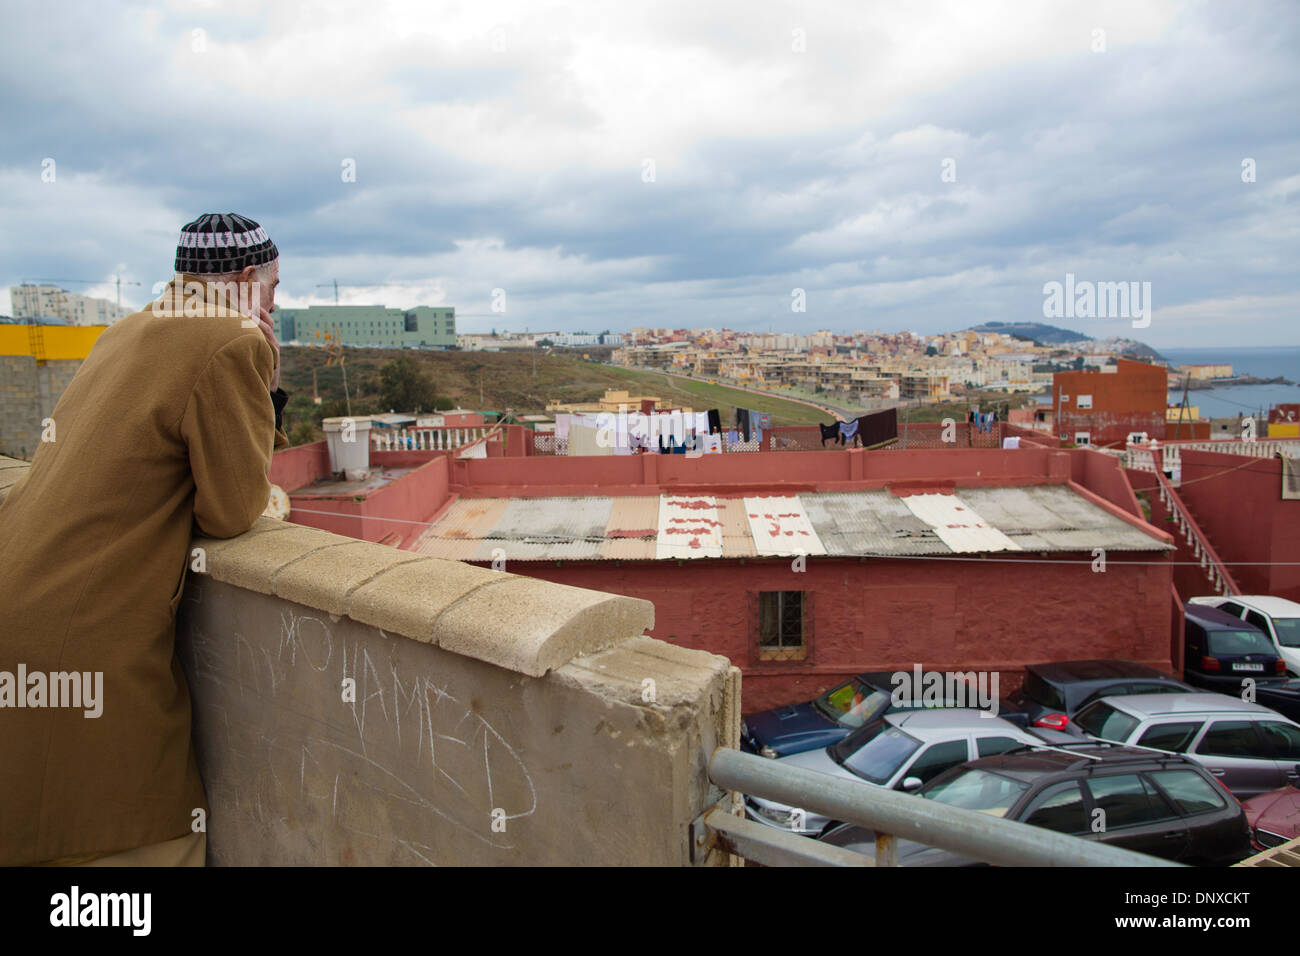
pixel 1284 430
pixel 49 342
pixel 1206 371
pixel 613 401
pixel 1189 414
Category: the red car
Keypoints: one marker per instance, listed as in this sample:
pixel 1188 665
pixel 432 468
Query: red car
pixel 1274 817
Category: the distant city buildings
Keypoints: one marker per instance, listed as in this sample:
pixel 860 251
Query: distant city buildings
pixel 871 368
pixel 1206 372
pixel 372 326
pixel 490 342
pixel 50 303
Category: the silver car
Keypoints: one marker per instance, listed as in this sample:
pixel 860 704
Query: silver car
pixel 1248 747
pixel 900 751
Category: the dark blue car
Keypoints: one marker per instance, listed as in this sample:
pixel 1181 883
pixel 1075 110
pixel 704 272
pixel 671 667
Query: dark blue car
pixel 782 731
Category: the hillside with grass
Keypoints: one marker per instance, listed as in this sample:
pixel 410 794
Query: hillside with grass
pixel 522 382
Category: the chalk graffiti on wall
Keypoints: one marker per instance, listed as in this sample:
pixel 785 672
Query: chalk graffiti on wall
pixel 401 761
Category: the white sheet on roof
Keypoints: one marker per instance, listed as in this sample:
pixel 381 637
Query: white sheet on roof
pixel 780 527
pixel 957 524
pixel 689 527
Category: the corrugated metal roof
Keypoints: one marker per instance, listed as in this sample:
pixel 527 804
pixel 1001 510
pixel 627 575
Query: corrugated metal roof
pixel 546 520
pixel 1054 518
pixel 958 525
pixel 852 523
pixel 1049 518
pixel 780 527
pixel 633 528
pixel 689 527
pixel 736 542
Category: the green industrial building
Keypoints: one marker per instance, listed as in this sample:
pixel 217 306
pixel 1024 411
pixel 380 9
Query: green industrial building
pixel 368 326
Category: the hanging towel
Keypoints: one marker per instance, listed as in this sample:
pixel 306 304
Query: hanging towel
pixel 878 428
pixel 848 429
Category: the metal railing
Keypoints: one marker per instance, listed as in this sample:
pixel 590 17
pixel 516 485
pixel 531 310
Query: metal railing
pixel 1143 459
pixel 445 438
pixel 1216 571
pixel 890 814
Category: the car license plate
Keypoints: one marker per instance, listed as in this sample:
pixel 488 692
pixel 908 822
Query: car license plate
pixel 1247 667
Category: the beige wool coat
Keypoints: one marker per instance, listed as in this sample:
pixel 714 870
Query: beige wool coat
pixel 168 428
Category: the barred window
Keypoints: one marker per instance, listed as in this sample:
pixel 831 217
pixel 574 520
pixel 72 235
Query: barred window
pixel 781 626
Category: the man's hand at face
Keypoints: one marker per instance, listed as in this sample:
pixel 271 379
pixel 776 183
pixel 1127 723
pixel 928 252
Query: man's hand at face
pixel 268 329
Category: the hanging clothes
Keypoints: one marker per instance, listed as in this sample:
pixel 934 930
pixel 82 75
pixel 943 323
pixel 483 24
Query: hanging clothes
pixel 715 421
pixel 878 428
pixel 742 422
pixel 676 427
pixel 848 430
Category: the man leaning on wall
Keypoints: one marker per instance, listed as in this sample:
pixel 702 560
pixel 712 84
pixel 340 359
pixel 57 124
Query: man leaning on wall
pixel 167 428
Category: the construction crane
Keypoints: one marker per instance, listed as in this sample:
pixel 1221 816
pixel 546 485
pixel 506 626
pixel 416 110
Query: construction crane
pixel 117 279
pixel 334 284
pixel 334 355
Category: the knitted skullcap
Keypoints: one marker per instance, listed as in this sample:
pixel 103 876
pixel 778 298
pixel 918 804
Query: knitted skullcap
pixel 220 242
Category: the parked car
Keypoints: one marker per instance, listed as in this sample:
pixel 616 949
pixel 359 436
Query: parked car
pixel 1281 695
pixel 1220 649
pixel 818 723
pixel 1276 617
pixel 1159 804
pixel 1250 748
pixel 1054 692
pixel 899 751
pixel 1274 817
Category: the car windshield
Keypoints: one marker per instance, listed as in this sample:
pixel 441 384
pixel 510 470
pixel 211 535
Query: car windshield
pixel 1288 631
pixel 878 754
pixel 1102 720
pixel 852 704
pixel 978 790
pixel 1234 643
pixel 1041 692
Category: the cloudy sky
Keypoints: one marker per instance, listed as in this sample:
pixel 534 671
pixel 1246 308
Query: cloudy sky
pixel 910 165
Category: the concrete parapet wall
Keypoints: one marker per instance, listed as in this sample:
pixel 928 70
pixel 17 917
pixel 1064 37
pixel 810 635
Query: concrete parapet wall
pixel 355 704
pixel 440 759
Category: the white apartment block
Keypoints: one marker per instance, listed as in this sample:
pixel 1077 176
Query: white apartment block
pixel 30 301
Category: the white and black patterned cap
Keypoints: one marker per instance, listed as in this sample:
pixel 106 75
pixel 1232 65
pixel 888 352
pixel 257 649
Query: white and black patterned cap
pixel 220 242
